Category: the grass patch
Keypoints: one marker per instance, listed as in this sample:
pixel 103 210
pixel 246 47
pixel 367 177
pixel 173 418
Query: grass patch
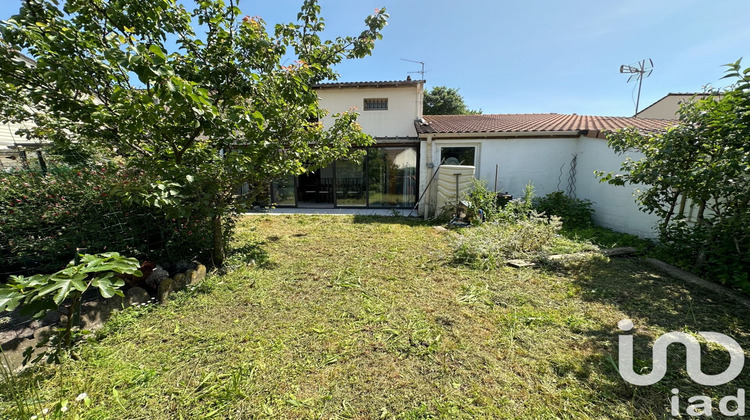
pixel 607 238
pixel 351 317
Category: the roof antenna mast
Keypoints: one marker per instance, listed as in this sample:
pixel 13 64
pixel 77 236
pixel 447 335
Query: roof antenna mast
pixel 421 72
pixel 643 69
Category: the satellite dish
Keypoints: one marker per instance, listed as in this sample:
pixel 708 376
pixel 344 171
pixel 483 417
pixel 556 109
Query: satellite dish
pixel 638 72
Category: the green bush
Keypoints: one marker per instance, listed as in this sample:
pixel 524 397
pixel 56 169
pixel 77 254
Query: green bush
pixel 519 209
pixel 683 244
pixel 694 178
pixel 62 292
pixel 44 217
pixel 481 198
pixel 574 212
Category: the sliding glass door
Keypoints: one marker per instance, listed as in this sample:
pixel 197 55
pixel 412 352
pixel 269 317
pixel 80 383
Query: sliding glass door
pixel 385 178
pixel 392 176
pixel 350 184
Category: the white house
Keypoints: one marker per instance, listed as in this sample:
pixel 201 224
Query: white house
pixel 15 148
pixel 551 151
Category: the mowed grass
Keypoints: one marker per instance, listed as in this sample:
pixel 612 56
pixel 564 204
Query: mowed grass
pixel 364 318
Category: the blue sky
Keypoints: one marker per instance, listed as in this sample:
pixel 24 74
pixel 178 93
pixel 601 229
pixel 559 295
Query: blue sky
pixel 537 56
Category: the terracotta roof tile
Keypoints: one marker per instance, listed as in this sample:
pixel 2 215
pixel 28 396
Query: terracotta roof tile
pixel 532 123
pixel 384 83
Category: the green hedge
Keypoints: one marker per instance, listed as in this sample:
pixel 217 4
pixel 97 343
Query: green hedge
pixel 44 217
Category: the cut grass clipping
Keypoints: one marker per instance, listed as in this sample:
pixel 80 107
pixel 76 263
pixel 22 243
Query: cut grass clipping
pixel 354 317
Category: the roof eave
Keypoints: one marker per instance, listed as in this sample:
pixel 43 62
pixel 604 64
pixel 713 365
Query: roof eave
pixel 504 134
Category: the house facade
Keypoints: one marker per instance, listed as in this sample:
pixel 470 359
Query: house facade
pixel 16 151
pixel 388 176
pixel 550 151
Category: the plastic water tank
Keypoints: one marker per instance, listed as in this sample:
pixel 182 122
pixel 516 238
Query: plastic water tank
pixel 447 187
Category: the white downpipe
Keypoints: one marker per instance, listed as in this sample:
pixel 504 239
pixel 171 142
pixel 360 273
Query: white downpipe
pixel 430 165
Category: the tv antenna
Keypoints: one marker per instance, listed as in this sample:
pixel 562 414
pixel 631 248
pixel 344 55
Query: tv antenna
pixel 421 72
pixel 643 69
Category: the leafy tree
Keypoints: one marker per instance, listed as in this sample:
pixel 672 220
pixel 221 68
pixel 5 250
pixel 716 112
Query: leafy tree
pixel 442 100
pixel 703 163
pixel 202 113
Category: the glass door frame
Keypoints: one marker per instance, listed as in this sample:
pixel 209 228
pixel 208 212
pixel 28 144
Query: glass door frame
pixel 367 178
pixel 296 194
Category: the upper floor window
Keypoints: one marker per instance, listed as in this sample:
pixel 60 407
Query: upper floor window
pixel 376 104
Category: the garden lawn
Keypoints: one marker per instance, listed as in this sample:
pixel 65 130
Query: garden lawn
pixel 352 317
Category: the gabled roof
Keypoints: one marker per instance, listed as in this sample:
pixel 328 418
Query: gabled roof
pixel 385 83
pixel 532 123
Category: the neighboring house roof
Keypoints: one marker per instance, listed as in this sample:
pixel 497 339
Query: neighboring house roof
pixel 668 106
pixel 533 123
pixel 385 83
pixel 26 59
pixel 10 140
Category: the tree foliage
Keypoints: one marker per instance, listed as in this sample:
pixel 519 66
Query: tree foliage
pixel 203 109
pixel 443 100
pixel 697 180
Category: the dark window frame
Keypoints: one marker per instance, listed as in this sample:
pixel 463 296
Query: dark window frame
pixel 455 153
pixel 375 104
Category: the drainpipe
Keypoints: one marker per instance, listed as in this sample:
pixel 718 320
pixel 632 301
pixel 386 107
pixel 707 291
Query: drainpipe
pixel 430 166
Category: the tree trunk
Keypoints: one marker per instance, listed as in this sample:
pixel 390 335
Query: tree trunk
pixel 218 235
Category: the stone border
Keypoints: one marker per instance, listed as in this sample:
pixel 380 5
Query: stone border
pixel 693 279
pixel 180 281
pixel 95 313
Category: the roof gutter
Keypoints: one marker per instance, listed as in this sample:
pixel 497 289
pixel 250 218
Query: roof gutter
pixel 504 134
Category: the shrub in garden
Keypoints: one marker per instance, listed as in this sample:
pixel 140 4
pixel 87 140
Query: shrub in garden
pixel 574 212
pixel 519 209
pixel 44 217
pixel 481 198
pixel 62 291
pixel 47 216
pixel 695 177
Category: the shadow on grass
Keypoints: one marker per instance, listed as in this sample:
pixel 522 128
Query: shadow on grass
pixel 658 304
pixel 402 220
pixel 607 238
pixel 251 253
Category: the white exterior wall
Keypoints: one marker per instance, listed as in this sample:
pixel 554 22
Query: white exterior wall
pixel 520 161
pixel 539 161
pixel 404 106
pixel 615 207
